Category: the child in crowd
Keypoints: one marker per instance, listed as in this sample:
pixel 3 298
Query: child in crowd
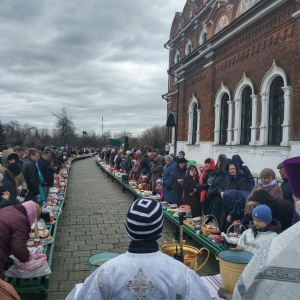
pixel 261 231
pixel 159 187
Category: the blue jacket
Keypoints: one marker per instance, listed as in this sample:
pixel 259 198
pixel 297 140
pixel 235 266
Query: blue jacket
pixel 167 181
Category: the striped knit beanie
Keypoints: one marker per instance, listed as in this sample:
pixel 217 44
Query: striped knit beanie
pixel 144 220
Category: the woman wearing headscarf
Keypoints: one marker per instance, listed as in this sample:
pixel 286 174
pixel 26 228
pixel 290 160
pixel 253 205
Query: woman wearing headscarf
pixel 268 183
pixel 234 191
pixel 177 179
pixel 135 170
pixel 204 183
pixel 15 226
pixel 190 193
pixel 213 192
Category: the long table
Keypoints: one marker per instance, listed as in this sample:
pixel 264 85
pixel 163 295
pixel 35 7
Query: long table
pixel 36 288
pixel 198 237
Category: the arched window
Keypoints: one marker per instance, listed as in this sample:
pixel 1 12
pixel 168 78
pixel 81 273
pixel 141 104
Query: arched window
pixel 276 111
pixel 195 123
pixel 188 48
pixel 224 119
pixel 246 116
pixel 177 57
pixel 203 37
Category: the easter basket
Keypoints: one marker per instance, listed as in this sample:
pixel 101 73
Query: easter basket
pixel 209 225
pixel 233 233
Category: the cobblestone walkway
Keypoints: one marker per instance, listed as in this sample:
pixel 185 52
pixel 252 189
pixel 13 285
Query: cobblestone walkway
pixel 93 222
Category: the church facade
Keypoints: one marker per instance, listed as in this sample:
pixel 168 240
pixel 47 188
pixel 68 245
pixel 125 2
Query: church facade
pixel 234 81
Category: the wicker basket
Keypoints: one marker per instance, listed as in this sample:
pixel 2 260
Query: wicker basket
pixel 226 243
pixel 207 231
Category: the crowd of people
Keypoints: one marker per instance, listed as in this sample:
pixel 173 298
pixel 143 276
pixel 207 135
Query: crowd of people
pixel 26 176
pixel 225 189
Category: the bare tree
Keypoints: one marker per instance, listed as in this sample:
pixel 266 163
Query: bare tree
pixel 64 125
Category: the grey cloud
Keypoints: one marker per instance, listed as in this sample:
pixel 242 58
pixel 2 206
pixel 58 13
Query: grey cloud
pixel 97 58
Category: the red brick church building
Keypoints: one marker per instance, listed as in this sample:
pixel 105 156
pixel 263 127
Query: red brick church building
pixel 234 80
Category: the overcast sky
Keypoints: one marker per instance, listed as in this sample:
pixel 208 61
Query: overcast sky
pixel 94 57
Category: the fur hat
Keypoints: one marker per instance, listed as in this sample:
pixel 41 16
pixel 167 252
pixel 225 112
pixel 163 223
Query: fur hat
pixel 144 220
pixel 262 213
pixel 292 169
pixel 14 168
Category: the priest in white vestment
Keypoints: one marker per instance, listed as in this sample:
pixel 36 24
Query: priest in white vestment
pixel 143 272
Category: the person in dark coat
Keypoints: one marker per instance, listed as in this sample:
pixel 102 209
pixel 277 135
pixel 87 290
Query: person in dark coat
pixel 285 186
pixel 47 171
pixel 30 173
pixel 150 164
pixel 167 178
pixel 247 173
pixel 15 226
pixel 118 159
pixel 157 170
pixel 4 195
pixel 213 192
pixel 144 164
pixel 235 180
pixel 177 179
pixel 205 179
pixel 282 210
pixel 10 182
pixel 190 193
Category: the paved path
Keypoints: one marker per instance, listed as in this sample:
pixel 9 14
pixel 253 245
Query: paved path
pixel 93 222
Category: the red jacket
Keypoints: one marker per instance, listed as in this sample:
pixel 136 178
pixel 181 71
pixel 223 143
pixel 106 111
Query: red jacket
pixel 14 233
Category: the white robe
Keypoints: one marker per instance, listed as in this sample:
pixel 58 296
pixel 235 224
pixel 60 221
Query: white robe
pixel 141 276
pixel 274 271
pixel 251 243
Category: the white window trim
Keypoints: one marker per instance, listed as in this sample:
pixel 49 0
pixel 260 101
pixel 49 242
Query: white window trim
pixel 193 102
pixel 189 43
pixel 204 31
pixel 173 136
pixel 244 82
pixel 272 73
pixel 223 90
pixel 177 57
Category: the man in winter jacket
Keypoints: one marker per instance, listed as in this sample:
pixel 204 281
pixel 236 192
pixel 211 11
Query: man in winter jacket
pixel 47 171
pixel 285 186
pixel 30 173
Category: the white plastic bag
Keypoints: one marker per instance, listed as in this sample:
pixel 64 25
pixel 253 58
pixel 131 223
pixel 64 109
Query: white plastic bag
pixel 37 267
pixel 41 271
